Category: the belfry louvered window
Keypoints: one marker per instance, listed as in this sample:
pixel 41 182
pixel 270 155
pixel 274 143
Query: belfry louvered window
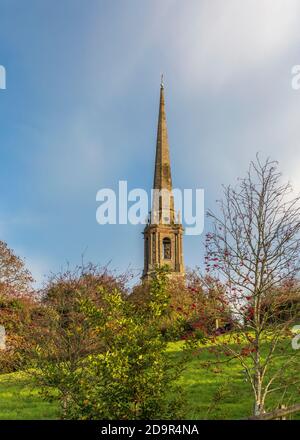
pixel 167 249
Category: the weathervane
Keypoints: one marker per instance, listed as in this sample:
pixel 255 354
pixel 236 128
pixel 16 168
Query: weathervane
pixel 162 80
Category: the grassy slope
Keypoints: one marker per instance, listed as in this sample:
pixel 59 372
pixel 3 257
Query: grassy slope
pixel 20 400
pixel 222 392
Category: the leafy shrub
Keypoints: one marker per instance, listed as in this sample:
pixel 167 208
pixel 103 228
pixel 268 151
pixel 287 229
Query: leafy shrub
pixel 17 317
pixel 131 377
pixel 196 302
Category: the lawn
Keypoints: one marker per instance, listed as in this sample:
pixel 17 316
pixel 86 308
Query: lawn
pixel 212 393
pixel 222 391
pixel 19 399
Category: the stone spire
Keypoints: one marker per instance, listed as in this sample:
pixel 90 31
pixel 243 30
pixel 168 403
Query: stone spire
pixel 162 174
pixel 163 204
pixel 162 235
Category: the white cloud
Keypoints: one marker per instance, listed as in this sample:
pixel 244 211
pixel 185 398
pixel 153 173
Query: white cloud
pixel 216 42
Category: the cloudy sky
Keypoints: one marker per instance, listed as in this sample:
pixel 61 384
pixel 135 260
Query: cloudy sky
pixel 80 112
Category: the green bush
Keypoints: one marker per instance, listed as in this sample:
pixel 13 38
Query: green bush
pixel 132 377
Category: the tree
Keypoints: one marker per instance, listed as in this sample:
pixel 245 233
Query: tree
pixel 17 316
pixel 16 305
pixel 179 310
pixel 14 277
pixel 195 304
pixel 211 311
pixel 254 248
pixel 131 376
pixel 62 336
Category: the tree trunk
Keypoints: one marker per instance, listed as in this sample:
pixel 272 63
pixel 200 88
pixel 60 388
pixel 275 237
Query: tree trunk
pixel 259 400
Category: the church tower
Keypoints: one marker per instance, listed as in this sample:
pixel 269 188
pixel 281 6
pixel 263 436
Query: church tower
pixel 163 233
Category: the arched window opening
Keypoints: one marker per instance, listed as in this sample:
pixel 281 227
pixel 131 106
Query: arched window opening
pixel 167 248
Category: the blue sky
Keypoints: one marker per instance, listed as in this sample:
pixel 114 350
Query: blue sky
pixel 80 112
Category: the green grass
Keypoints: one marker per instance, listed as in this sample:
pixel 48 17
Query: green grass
pixel 212 393
pixel 19 399
pixel 222 391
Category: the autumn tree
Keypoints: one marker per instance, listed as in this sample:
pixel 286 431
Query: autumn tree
pixel 211 311
pixel 196 304
pixel 16 305
pixel 14 277
pixel 129 376
pixel 179 309
pixel 62 334
pixel 254 249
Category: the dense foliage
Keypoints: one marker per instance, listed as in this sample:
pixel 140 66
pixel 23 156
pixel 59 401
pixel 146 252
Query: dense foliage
pixel 17 305
pixel 197 305
pixel 130 376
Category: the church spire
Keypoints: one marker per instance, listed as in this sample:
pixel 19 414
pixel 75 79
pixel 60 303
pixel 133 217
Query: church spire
pixel 162 235
pixel 162 173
